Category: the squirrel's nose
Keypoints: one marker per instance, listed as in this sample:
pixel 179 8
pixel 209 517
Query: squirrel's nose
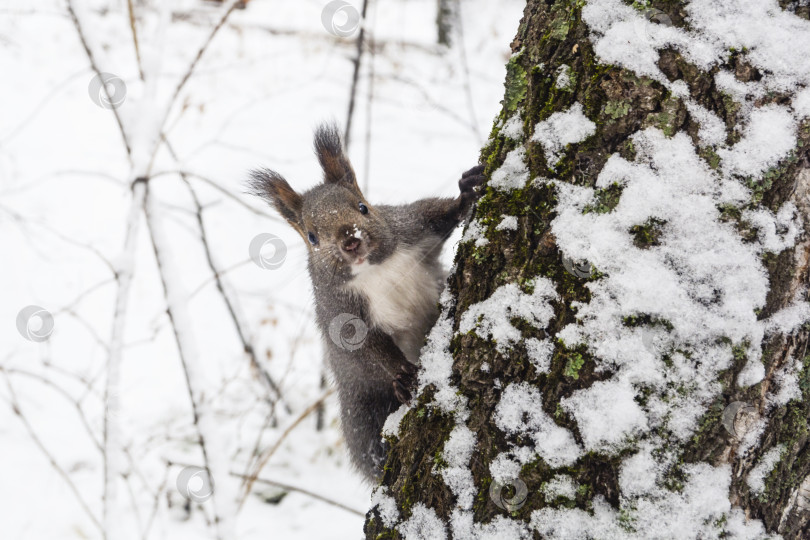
pixel 350 245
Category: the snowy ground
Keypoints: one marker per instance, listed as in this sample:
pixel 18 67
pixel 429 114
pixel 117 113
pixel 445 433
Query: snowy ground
pixel 269 76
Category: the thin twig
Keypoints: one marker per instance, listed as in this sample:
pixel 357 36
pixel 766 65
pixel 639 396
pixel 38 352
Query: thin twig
pixel 95 67
pixel 303 491
pixel 64 393
pixel 369 101
pixel 53 92
pixel 156 505
pixel 225 271
pixel 223 19
pixel 15 407
pixel 67 239
pixel 466 70
pixel 214 184
pixel 254 454
pixel 230 303
pixel 248 484
pixel 134 501
pixel 87 292
pixel 284 486
pixel 134 29
pixel 88 327
pixel 430 101
pixel 358 60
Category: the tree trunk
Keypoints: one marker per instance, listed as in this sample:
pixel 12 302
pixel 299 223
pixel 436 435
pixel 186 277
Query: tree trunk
pixel 622 351
pixel 445 18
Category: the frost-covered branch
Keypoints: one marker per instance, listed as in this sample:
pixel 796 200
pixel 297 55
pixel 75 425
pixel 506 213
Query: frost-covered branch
pixel 142 140
pixel 211 445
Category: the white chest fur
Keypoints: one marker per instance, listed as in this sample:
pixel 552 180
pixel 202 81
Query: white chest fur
pixel 402 294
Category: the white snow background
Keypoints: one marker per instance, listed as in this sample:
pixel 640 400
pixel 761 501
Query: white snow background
pixel 269 76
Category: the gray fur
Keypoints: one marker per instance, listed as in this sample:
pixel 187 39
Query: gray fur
pixel 398 252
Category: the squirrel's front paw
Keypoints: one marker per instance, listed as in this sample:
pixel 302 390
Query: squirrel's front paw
pixel 405 382
pixel 472 178
pixel 469 181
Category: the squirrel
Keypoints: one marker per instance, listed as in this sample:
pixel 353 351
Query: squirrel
pixel 376 279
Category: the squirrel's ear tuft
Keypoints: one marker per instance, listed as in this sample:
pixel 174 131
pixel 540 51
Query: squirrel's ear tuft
pixel 273 188
pixel 336 166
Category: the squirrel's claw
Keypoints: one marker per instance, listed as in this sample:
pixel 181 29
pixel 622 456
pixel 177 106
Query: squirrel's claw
pixel 405 382
pixel 472 178
pixel 469 181
pixel 401 392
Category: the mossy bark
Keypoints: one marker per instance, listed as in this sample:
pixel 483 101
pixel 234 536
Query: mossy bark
pixel 552 35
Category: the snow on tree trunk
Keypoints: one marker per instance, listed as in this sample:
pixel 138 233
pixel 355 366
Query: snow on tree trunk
pixel 622 350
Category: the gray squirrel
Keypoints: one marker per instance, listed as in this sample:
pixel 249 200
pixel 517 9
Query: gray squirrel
pixel 376 278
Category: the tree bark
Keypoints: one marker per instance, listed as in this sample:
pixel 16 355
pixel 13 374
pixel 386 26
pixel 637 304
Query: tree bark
pixel 750 430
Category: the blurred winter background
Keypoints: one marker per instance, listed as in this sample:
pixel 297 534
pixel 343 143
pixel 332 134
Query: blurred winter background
pixel 156 343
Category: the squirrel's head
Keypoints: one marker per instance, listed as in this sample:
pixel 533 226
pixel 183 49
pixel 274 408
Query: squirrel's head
pixel 340 228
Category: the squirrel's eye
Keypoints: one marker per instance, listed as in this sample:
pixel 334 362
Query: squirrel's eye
pixel 312 238
pixel 363 208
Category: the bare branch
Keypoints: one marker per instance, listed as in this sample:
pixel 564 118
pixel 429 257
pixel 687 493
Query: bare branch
pixel 223 19
pixel 186 344
pixel 229 299
pixel 95 67
pixel 214 184
pixel 69 307
pixel 64 393
pixel 369 101
pixel 131 12
pixel 261 462
pixel 466 69
pixel 213 277
pixel 112 410
pixel 303 491
pixel 287 487
pixel 355 75
pixel 15 407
